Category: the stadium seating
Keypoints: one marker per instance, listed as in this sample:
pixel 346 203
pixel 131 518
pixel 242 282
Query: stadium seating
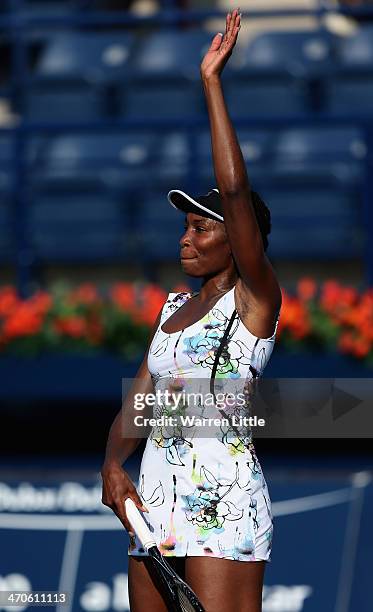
pixel 160 228
pixel 175 157
pixel 73 74
pixel 5 226
pixel 171 54
pixel 345 94
pixel 93 57
pixel 278 73
pixel 297 53
pixel 350 88
pixel 6 221
pixel 113 160
pixel 314 222
pixel 314 192
pixel 44 8
pixel 86 194
pixel 165 76
pixel 317 152
pixel 102 194
pixel 355 52
pixel 86 226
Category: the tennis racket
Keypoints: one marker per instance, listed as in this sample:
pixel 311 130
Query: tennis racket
pixel 180 596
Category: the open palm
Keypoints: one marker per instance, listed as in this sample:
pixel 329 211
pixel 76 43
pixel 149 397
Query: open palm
pixel 221 47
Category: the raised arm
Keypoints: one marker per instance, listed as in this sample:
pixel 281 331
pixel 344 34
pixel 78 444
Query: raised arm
pixel 258 279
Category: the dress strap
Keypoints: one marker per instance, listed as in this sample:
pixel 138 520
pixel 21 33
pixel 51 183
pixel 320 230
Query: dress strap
pixel 173 303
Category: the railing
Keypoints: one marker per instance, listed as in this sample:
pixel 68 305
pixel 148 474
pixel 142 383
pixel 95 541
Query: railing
pixel 18 21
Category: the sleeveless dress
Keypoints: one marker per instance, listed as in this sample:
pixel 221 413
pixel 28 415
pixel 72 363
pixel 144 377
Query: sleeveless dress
pixel 205 496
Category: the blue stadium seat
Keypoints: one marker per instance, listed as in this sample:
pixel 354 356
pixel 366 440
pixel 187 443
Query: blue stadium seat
pixel 116 161
pixel 350 89
pixel 165 76
pixel 48 7
pixel 6 157
pixel 159 229
pixel 84 226
pixel 355 52
pixel 264 97
pixel 273 74
pixel 314 222
pixel 62 103
pixel 350 94
pixel 162 100
pixel 6 220
pixel 88 56
pixel 72 73
pixel 6 233
pixel 174 156
pixel 320 152
pixel 171 54
pixel 299 53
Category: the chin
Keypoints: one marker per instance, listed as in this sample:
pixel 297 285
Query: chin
pixel 190 269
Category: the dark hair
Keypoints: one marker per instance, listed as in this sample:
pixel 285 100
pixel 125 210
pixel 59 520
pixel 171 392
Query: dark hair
pixel 263 217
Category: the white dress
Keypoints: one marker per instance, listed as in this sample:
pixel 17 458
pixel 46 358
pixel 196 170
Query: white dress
pixel 206 496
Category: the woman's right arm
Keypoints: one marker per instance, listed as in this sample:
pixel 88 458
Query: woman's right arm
pixel 116 483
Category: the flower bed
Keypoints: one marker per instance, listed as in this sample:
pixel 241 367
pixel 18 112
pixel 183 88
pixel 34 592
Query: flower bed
pixel 329 317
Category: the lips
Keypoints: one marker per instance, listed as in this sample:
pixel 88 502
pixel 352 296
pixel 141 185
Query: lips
pixel 186 257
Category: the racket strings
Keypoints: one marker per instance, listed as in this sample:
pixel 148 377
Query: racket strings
pixel 185 603
pixel 185 599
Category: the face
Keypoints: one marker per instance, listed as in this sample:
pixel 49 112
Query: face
pixel 204 248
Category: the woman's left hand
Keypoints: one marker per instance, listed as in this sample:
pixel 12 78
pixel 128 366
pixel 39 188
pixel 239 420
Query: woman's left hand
pixel 221 47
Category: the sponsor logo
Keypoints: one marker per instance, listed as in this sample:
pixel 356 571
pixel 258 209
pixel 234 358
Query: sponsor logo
pixel 67 497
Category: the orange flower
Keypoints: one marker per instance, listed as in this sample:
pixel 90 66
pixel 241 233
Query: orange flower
pixel 41 302
pixel 123 296
pixel 95 330
pixel 294 317
pixel 306 288
pixel 72 326
pixel 361 347
pixel 346 342
pixel 84 294
pixel 153 294
pixel 330 293
pixel 24 321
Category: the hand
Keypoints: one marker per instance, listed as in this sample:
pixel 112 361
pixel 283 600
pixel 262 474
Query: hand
pixel 221 47
pixel 116 487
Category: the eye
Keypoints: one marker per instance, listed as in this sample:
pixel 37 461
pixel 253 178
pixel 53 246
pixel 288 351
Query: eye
pixel 199 229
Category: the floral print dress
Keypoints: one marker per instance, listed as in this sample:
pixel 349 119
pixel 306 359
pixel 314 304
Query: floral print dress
pixel 206 496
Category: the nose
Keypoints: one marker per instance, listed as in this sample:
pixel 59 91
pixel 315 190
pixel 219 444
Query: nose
pixel 185 239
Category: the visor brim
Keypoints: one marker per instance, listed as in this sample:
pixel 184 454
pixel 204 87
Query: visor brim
pixel 184 202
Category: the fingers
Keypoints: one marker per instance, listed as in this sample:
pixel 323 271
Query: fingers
pixel 120 511
pixel 232 27
pixel 116 488
pixel 216 42
pixel 227 24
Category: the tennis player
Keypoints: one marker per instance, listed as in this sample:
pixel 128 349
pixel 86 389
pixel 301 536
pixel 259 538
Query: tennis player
pixel 206 499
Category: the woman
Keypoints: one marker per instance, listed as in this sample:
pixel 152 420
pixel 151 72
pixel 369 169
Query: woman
pixel 207 500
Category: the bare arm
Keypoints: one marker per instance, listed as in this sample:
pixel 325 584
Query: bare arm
pixel 116 483
pixel 120 446
pixel 256 272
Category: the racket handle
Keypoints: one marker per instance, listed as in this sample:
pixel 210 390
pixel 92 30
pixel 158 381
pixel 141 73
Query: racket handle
pixel 137 522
